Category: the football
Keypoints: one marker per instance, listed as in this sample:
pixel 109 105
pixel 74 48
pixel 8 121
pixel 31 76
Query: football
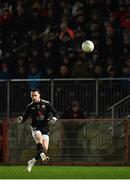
pixel 87 46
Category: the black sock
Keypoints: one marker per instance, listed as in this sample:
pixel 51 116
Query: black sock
pixel 39 148
pixel 37 156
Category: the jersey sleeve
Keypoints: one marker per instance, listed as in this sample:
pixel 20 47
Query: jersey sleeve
pixel 52 110
pixel 26 114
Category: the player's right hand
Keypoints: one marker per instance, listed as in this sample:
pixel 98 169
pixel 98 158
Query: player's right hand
pixel 19 119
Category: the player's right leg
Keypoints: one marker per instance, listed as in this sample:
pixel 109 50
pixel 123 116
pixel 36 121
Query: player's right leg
pixel 40 150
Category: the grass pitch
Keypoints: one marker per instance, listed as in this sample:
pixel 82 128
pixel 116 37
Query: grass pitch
pixel 65 172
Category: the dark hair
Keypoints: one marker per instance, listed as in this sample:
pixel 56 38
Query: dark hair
pixel 33 90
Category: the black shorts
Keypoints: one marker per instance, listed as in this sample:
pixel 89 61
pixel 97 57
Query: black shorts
pixel 43 130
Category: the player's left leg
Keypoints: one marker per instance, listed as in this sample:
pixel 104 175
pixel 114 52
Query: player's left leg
pixel 45 144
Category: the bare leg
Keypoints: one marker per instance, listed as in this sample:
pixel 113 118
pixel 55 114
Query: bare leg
pixel 45 143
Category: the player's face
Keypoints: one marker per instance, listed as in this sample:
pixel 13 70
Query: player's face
pixel 35 96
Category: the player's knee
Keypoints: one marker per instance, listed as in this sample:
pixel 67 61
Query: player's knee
pixel 38 137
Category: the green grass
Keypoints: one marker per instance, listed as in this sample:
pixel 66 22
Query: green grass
pixel 65 172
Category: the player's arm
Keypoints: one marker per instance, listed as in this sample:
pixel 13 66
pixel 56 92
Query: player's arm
pixel 23 118
pixel 54 114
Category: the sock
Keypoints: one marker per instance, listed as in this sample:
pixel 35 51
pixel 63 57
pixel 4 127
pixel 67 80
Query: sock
pixel 42 155
pixel 39 151
pixel 37 156
pixel 39 148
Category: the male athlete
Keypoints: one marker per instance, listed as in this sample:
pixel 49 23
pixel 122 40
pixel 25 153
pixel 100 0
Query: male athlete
pixel 42 113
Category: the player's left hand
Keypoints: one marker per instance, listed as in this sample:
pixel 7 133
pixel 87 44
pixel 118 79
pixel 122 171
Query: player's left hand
pixel 53 120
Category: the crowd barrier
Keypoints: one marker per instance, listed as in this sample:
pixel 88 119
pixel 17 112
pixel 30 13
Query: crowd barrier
pixel 95 96
pixel 73 141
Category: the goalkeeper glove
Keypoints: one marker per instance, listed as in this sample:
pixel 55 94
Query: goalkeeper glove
pixel 19 119
pixel 53 120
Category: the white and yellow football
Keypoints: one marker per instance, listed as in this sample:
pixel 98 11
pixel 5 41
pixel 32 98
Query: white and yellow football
pixel 87 46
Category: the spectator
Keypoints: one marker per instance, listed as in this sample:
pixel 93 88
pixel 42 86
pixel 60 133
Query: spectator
pixel 80 36
pixel 33 76
pixel 64 72
pixel 126 72
pixel 21 73
pixel 71 129
pixel 49 73
pixel 66 29
pixel 4 73
pixel 67 60
pixel 21 21
pixel 111 72
pixel 79 69
pixel 98 71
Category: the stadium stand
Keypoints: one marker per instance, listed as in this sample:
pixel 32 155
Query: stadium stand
pixel 41 39
pixel 45 32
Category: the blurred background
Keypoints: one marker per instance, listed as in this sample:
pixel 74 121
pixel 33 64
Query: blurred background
pixel 40 47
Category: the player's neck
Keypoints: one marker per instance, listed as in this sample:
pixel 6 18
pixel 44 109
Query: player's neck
pixel 37 101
